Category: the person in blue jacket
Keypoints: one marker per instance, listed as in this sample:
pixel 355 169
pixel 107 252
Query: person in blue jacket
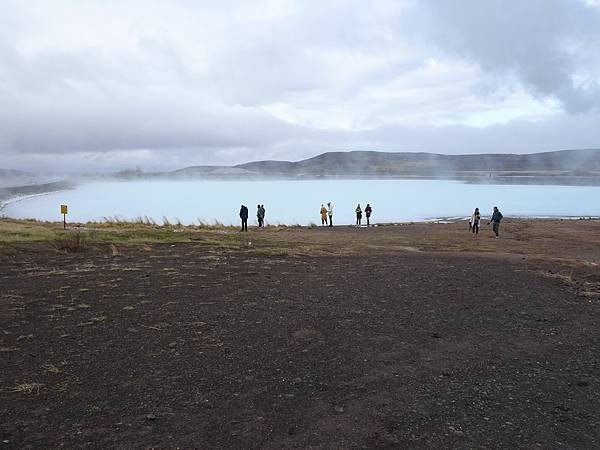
pixel 495 220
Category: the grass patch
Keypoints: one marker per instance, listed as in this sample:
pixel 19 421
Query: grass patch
pixel 274 251
pixel 544 238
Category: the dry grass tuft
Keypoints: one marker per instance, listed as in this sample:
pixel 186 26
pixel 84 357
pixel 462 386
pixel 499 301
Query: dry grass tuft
pixel 9 349
pixel 74 243
pixel 567 279
pixel 92 321
pixel 28 388
pixel 51 368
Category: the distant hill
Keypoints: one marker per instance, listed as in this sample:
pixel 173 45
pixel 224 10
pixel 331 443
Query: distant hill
pixel 565 162
pixel 7 192
pixel 10 177
pixel 564 167
pixel 13 173
pixel 195 171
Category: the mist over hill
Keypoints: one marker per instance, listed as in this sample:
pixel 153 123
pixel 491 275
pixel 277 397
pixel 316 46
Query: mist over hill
pixel 556 167
pixel 564 163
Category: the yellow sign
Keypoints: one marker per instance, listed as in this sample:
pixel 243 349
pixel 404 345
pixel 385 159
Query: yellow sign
pixel 64 209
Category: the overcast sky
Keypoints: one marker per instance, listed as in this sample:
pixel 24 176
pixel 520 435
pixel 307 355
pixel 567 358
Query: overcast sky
pixel 104 85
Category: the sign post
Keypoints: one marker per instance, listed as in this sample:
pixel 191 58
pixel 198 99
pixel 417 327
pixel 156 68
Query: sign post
pixel 64 209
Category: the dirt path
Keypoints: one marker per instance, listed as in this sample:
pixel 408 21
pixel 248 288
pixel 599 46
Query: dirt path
pixel 175 346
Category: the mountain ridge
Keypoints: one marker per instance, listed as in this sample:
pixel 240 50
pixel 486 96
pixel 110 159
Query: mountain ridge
pixel 583 161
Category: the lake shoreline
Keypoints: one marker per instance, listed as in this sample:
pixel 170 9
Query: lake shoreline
pixel 494 179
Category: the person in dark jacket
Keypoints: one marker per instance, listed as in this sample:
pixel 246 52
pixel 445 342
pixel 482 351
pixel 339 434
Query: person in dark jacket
pixel 495 220
pixel 474 222
pixel 244 217
pixel 368 211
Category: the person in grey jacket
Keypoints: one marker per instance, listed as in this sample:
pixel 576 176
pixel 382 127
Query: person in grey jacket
pixel 260 215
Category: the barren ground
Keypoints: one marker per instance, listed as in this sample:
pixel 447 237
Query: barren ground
pixel 407 336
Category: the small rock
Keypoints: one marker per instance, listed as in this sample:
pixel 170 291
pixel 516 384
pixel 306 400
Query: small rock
pixel 339 409
pixel 172 344
pixel 150 417
pixel 457 432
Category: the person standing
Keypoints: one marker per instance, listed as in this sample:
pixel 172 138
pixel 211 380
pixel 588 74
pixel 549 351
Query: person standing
pixel 368 211
pixel 323 215
pixel 330 213
pixel 244 217
pixel 259 216
pixel 495 221
pixel 358 215
pixel 474 223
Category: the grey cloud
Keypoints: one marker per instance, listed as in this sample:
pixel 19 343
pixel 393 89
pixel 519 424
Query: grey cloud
pixel 77 103
pixel 69 127
pixel 544 43
pixel 561 132
pixel 519 136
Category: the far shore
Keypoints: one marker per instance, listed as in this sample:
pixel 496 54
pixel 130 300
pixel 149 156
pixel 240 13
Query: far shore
pixel 13 192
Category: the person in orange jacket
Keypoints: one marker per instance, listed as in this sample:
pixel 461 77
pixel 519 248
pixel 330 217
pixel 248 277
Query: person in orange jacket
pixel 323 215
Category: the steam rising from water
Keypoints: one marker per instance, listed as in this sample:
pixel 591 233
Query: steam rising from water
pixel 298 202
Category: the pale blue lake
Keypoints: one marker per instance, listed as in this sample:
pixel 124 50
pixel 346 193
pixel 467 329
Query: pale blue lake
pixel 298 202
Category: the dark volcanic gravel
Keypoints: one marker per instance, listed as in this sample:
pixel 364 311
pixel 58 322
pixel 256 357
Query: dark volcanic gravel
pixel 173 346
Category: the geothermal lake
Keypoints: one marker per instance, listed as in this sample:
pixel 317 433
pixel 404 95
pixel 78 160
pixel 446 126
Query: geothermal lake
pixel 298 202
